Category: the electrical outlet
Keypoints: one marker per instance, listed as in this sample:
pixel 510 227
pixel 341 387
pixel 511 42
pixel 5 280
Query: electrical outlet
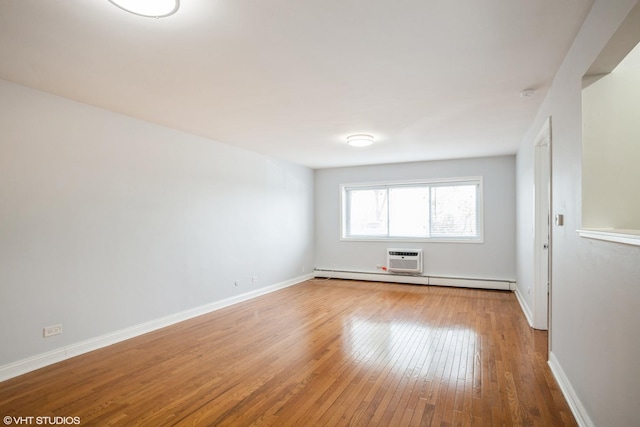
pixel 51 330
pixel 237 283
pixel 303 268
pixel 254 279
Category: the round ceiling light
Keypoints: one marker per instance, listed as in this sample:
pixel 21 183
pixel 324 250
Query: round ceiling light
pixel 360 140
pixel 148 8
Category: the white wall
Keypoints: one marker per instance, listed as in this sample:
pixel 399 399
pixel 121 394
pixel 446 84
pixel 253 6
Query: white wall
pixel 493 259
pixel 525 226
pixel 611 151
pixel 107 221
pixel 596 285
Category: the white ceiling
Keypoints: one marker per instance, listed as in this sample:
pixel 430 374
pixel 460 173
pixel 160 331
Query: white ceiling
pixel 430 79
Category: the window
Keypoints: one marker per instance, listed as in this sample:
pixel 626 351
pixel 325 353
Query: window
pixel 444 210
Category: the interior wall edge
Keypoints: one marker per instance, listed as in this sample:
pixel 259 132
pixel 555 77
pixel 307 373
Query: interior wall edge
pixel 577 408
pixel 526 310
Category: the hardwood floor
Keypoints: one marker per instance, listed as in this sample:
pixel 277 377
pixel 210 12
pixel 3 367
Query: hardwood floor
pixel 325 353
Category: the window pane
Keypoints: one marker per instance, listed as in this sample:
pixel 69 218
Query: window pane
pixel 367 212
pixel 453 211
pixel 409 212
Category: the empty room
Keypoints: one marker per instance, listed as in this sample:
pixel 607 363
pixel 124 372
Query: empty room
pixel 330 213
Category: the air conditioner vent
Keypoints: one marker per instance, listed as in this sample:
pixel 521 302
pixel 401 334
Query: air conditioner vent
pixel 404 253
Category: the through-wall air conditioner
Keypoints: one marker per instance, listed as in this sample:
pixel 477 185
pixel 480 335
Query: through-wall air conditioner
pixel 404 260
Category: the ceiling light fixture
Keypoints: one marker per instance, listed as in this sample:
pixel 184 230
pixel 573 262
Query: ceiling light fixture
pixel 527 93
pixel 148 8
pixel 360 140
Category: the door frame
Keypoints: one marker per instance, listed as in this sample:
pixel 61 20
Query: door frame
pixel 542 228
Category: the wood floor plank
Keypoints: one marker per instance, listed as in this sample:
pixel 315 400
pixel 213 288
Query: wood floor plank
pixel 324 352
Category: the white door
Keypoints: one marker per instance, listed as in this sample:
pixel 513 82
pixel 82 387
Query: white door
pixel 542 227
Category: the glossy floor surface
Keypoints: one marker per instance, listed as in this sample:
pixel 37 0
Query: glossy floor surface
pixel 325 353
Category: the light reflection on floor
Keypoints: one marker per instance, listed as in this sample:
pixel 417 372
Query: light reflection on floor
pixel 402 344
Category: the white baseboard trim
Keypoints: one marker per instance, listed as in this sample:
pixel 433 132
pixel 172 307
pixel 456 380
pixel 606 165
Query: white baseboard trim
pixel 524 307
pixel 504 285
pixel 578 410
pixel 41 360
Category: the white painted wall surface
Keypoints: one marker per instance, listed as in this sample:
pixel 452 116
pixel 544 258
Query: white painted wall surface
pixel 108 222
pixel 493 259
pixel 611 151
pixel 595 311
pixel 525 235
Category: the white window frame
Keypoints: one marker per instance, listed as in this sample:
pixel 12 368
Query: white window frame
pixel 473 180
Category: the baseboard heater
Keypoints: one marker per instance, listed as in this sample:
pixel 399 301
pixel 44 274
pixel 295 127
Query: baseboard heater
pixel 463 282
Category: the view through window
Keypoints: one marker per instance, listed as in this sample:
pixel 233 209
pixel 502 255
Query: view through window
pixel 423 210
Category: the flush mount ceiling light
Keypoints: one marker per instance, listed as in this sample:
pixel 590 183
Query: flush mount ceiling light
pixel 148 8
pixel 360 140
pixel 527 93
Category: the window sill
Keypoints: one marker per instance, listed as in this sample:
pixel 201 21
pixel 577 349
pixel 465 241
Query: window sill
pixel 628 237
pixel 410 240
